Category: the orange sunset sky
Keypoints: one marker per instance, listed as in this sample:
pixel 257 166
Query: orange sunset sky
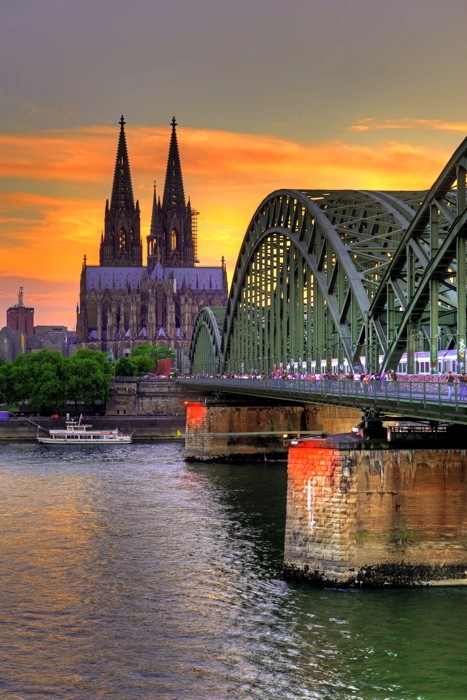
pixel 352 94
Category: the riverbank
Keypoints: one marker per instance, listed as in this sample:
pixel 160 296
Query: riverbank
pixel 145 427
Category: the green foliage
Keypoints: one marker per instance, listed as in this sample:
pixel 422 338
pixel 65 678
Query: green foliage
pixel 146 355
pixel 143 359
pixel 144 363
pixel 5 381
pixel 48 381
pixel 126 367
pixel 163 352
pixel 98 357
pixel 143 349
pixel 88 376
pixel 38 378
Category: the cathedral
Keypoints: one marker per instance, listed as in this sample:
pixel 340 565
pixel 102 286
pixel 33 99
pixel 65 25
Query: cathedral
pixel 124 303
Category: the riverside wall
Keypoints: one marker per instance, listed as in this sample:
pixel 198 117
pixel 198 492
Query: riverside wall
pixel 136 396
pixel 360 517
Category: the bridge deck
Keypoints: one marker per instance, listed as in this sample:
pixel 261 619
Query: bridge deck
pixel 416 399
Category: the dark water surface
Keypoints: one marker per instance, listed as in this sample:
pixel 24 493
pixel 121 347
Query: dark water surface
pixel 127 573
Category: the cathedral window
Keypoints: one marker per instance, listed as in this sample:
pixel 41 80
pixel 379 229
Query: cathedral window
pixel 122 239
pixel 173 240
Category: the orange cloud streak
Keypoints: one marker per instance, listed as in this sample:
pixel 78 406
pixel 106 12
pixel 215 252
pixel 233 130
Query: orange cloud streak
pixel 55 183
pixel 371 124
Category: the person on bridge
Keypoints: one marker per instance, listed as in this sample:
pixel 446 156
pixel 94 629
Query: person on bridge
pixel 463 386
pixel 392 377
pixel 450 382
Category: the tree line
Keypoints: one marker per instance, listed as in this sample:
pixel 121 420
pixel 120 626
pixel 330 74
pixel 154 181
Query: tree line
pixel 48 381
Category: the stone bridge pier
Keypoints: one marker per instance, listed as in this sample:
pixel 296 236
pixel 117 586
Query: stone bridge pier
pixel 359 513
pixel 233 430
pixel 358 516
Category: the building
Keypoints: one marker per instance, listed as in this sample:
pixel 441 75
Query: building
pixel 20 336
pixel 57 338
pixel 12 344
pixel 19 330
pixel 124 302
pixel 20 317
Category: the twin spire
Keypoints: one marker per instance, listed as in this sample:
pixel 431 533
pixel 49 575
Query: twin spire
pixel 171 234
pixel 122 191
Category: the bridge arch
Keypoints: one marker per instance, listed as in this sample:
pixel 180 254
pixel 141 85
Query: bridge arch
pixel 205 347
pixel 301 290
pixel 327 280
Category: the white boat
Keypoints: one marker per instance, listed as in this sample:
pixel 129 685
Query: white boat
pixel 78 433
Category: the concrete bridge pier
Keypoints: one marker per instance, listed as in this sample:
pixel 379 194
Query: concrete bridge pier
pixel 359 516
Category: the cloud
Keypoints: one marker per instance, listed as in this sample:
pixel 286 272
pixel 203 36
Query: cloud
pixel 371 124
pixel 54 183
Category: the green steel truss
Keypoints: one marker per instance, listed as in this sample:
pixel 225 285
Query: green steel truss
pixel 205 349
pixel 360 276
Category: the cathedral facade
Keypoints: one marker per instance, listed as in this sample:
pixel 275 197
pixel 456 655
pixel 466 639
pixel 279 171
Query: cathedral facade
pixel 124 303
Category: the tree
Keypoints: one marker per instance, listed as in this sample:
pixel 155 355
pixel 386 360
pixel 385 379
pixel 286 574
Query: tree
pixel 5 382
pixel 97 356
pixel 88 374
pixel 39 379
pixel 126 367
pixel 47 381
pixel 154 352
pixel 48 394
pixel 144 363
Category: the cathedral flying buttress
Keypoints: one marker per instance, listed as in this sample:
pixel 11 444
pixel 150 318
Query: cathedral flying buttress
pixel 123 302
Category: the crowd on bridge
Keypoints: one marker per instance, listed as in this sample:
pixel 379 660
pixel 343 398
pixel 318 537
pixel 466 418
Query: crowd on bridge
pixel 455 385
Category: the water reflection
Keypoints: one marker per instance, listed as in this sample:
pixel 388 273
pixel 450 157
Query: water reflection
pixel 129 574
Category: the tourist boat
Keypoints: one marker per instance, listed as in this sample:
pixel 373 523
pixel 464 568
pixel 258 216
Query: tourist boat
pixel 78 433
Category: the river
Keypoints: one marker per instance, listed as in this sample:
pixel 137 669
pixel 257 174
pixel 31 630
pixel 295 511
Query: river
pixel 127 573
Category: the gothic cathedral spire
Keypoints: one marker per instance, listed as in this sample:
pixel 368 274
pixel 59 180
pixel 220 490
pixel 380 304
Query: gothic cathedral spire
pixel 174 195
pixel 175 241
pixel 121 242
pixel 155 239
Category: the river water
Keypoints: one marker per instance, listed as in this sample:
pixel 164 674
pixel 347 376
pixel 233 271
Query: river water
pixel 127 573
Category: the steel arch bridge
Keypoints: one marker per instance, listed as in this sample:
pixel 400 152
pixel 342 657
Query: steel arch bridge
pixel 349 278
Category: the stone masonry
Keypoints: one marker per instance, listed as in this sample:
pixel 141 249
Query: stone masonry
pixel 375 517
pixel 231 433
pixel 133 396
pixel 223 431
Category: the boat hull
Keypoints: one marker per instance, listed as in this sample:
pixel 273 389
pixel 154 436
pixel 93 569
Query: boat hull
pixel 78 433
pixel 88 440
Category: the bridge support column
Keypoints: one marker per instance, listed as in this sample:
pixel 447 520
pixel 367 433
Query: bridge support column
pixel 232 430
pixel 223 432
pixel 331 419
pixel 375 517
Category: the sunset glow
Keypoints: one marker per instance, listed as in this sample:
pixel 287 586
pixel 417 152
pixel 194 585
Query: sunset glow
pixel 324 94
pixel 53 208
